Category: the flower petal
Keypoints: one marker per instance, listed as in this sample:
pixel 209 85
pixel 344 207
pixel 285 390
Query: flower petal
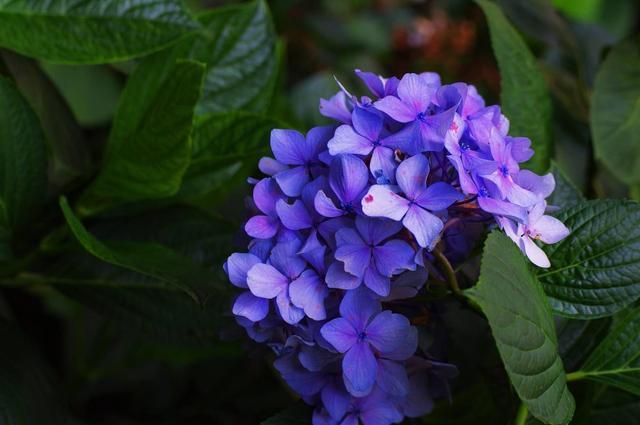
pixel 375 230
pixel 383 165
pixel 381 201
pixel 340 333
pixel 265 281
pixel 265 195
pixel 535 253
pixel 293 216
pixel 237 266
pixel 336 108
pixel 358 306
pixel 359 368
pixel 252 307
pixel 289 312
pixel 387 331
pixel 349 177
pixel 392 378
pixel 439 196
pixel 396 109
pixel 415 92
pixel 550 229
pixel 308 292
pixel 325 206
pixel 425 226
pixel 367 122
pixel 346 140
pixel 288 146
pixel 293 180
pixel 373 280
pixel 352 251
pixel 262 226
pixel 412 175
pixel 337 278
pixel 393 257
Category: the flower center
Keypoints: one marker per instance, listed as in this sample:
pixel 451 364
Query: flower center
pixel 504 170
pixel 347 207
pixel 362 336
pixel 483 192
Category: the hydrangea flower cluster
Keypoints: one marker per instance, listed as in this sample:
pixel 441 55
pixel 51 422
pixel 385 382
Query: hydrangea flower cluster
pixel 346 225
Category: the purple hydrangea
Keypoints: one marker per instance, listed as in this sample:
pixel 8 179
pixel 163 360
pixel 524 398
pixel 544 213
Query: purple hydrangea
pixel 347 219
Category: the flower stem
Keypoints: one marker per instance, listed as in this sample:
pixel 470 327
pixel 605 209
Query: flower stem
pixel 449 273
pixel 521 416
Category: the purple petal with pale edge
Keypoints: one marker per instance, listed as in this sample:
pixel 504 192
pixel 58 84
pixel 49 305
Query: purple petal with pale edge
pixel 520 148
pixel 376 282
pixel 432 79
pixel 535 254
pixel 367 123
pixel 396 109
pixel 466 182
pixel 310 191
pixel 393 257
pixel 495 206
pixel 262 226
pixel 379 409
pixel 325 206
pixel 336 108
pixel 375 230
pixel 521 196
pixel 358 307
pixel 308 292
pixel 265 196
pixel 261 248
pixel 352 251
pixel 293 180
pixel 288 146
pixel 372 81
pixel 439 196
pixel 270 166
pixel 359 368
pixel 473 102
pixel 408 139
pixel 293 216
pixel 265 281
pixel 550 229
pixel 542 186
pixel 346 140
pixel 412 175
pixel 349 177
pixel 328 229
pixel 425 226
pixel 252 307
pixel 392 378
pixel 415 92
pixel 284 257
pixel 340 333
pixel 382 159
pixel 387 331
pixel 391 86
pixel 381 201
pixel 337 278
pixel 289 312
pixel 434 129
pixel 407 347
pixel 237 266
pixel 336 400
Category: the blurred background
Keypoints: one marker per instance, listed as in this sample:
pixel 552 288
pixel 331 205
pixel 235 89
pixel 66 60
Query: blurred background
pixel 115 375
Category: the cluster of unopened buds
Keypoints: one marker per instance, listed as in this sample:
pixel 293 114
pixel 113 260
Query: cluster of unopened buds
pixel 349 222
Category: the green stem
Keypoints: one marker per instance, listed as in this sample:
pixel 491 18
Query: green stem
pixel 521 416
pixel 575 376
pixel 449 273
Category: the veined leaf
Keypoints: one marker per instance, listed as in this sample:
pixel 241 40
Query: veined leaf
pixel 96 31
pixel 524 95
pixel 595 271
pixel 150 259
pixel 616 361
pixel 23 161
pixel 565 192
pixel 523 327
pixel 148 150
pixel 615 112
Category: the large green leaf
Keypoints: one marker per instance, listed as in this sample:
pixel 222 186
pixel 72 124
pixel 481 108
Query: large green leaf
pixel 616 361
pixel 565 193
pixel 23 180
pixel 577 338
pixel 149 148
pixel 615 407
pixel 150 259
pixel 69 152
pixel 91 31
pixel 523 327
pixel 29 394
pixel 524 95
pixel 141 301
pixel 595 271
pixel 615 112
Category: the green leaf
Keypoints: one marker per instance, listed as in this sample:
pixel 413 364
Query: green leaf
pixel 577 338
pixel 148 150
pixel 23 161
pixel 615 407
pixel 296 414
pixel 595 271
pixel 238 46
pixel 615 112
pixel 524 95
pixel 140 301
pixel 523 328
pixel 616 361
pixel 565 193
pixel 89 32
pixel 150 259
pixel 69 152
pixel 28 391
